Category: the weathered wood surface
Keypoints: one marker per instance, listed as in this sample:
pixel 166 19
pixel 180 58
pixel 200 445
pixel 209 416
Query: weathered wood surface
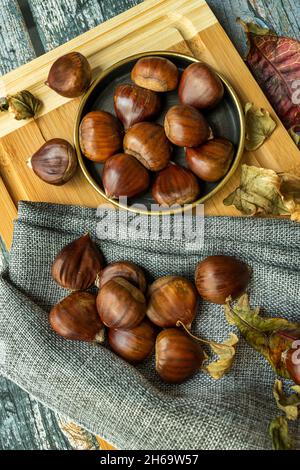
pixel 25 424
pixel 15 44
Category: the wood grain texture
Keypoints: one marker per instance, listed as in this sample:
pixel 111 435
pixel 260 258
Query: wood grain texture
pixel 15 45
pixel 17 409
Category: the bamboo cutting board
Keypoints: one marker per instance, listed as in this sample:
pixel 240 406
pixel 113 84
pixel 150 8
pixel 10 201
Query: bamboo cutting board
pixel 187 26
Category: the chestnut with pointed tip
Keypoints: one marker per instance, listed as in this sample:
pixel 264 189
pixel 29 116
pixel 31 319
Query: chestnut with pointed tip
pixel 120 304
pixel 177 356
pixel 100 135
pixel 76 317
pixel 175 185
pixel 134 345
pixel 186 126
pixel 135 104
pixel 200 86
pixel 172 298
pixel 70 75
pixel 55 162
pixel 124 175
pixel 148 143
pixel 77 265
pixel 155 73
pixel 129 271
pixel 219 277
pixel 211 161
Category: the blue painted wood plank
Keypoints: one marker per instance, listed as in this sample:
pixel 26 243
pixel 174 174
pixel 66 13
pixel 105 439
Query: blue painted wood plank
pixel 15 44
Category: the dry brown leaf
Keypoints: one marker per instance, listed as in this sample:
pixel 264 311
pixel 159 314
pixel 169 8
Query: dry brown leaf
pixel 217 369
pixel 259 126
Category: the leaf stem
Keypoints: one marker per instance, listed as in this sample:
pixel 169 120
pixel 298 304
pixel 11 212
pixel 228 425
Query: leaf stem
pixel 200 340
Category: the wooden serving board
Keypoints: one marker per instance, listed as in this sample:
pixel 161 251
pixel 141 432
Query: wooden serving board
pixel 187 26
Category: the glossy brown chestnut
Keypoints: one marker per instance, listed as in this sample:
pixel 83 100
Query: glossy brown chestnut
pixel 70 75
pixel 124 175
pixel 175 185
pixel 148 143
pixel 129 271
pixel 77 265
pixel 172 298
pixel 178 357
pixel 185 126
pixel 200 86
pixel 155 73
pixel 218 277
pixel 135 104
pixel 211 161
pixel 100 135
pixel 76 317
pixel 120 304
pixel 55 162
pixel 133 345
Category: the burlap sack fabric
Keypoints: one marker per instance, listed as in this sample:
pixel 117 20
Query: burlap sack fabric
pixel 130 407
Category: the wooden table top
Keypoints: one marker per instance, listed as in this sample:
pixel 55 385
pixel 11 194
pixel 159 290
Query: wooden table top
pixel 28 29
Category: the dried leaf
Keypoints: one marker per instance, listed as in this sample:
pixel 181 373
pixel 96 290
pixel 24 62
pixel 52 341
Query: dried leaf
pixel 3 104
pixel 259 126
pixel 79 438
pixel 258 193
pixel 266 335
pixel 290 192
pixel 290 405
pixel 294 133
pixel 23 105
pixel 279 432
pixel 217 369
pixel 275 63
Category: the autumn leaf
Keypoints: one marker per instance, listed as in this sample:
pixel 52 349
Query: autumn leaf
pixel 270 336
pixel 3 104
pixel 290 405
pixel 275 63
pixel 259 126
pixel 258 193
pixel 217 369
pixel 294 133
pixel 23 105
pixel 266 192
pixel 279 432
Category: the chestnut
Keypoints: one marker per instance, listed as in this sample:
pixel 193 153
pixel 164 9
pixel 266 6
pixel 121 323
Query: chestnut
pixel 155 73
pixel 211 161
pixel 55 162
pixel 100 135
pixel 219 277
pixel 129 271
pixel 147 142
pixel 172 299
pixel 77 265
pixel 133 345
pixel 175 185
pixel 200 86
pixel 177 356
pixel 120 304
pixel 135 104
pixel 185 126
pixel 76 317
pixel 124 175
pixel 70 75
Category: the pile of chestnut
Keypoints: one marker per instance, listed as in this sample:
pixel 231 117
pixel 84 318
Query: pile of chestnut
pixel 133 147
pixel 140 318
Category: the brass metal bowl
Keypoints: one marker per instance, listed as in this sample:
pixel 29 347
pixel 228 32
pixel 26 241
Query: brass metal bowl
pixel 227 120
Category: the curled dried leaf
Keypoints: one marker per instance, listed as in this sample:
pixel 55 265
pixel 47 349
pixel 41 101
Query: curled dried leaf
pixel 218 368
pixel 290 405
pixel 259 126
pixel 279 432
pixel 258 193
pixel 3 104
pixel 23 105
pixel 294 133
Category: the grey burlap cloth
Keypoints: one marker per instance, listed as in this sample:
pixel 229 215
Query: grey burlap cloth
pixel 130 407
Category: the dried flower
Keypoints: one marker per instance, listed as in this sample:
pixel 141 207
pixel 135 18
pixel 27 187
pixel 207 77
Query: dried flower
pixel 259 126
pixel 23 105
